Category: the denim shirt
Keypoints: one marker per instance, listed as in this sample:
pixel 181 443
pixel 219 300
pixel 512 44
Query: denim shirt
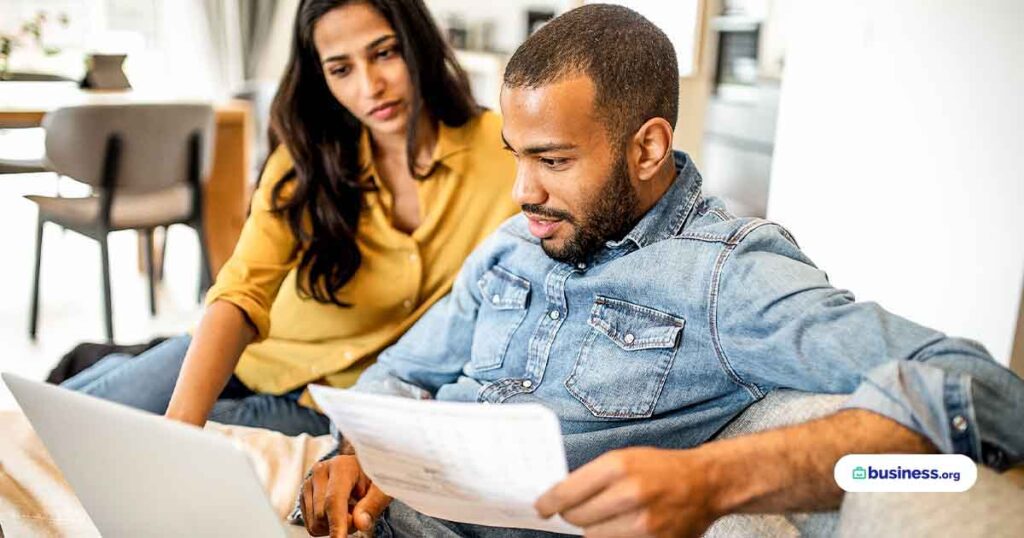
pixel 664 336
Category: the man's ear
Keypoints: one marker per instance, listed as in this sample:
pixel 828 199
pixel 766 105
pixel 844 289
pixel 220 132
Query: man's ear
pixel 650 147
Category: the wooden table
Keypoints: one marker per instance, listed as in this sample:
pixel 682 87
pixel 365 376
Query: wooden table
pixel 23 104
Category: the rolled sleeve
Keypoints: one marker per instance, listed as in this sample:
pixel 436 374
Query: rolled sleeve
pixel 266 251
pixel 921 398
pixel 782 325
pixel 965 405
pixel 255 307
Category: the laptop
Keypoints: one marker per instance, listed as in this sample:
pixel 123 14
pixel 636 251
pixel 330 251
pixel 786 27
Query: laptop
pixel 139 474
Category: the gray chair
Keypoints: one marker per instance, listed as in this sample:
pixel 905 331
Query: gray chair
pixel 146 164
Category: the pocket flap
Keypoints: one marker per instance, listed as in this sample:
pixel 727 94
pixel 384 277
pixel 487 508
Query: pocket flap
pixel 503 290
pixel 634 327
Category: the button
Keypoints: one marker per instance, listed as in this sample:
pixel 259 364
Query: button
pixel 527 384
pixel 553 314
pixel 413 257
pixel 581 266
pixel 960 423
pixel 629 338
pixel 407 303
pixel 496 299
pixel 994 458
pixel 348 355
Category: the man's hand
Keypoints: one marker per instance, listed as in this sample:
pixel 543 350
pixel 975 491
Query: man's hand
pixel 654 492
pixel 636 492
pixel 338 496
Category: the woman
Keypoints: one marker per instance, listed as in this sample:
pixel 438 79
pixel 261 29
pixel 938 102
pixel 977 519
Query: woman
pixel 386 175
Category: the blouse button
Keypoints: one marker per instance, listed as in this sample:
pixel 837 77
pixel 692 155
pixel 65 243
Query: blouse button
pixel 629 338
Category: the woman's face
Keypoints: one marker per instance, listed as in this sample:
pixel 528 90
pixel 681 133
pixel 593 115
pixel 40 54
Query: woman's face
pixel 363 66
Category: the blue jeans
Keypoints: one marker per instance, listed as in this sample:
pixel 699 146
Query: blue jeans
pixel 147 381
pixel 399 520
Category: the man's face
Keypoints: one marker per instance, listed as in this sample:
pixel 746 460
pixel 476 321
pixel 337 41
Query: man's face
pixel 573 184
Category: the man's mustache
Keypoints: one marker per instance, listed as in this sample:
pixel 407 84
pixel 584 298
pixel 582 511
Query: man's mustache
pixel 541 211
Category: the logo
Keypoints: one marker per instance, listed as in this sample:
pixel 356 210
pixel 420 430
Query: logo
pixel 905 472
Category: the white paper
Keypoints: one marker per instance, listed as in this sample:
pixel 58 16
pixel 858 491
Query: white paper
pixel 465 462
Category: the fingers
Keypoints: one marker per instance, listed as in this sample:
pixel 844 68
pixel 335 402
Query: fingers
pixel 320 478
pixel 326 494
pixel 315 525
pixel 307 505
pixel 620 498
pixel 369 508
pixel 627 524
pixel 344 472
pixel 582 484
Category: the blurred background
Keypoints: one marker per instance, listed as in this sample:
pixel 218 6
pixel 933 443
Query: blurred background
pixel 884 135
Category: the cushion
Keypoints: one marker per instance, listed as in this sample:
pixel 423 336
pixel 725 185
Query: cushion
pixel 779 408
pixel 130 211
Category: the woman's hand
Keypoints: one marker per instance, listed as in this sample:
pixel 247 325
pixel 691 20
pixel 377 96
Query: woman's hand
pixel 338 496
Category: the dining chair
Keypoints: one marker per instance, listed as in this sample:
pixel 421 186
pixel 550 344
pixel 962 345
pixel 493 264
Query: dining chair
pixel 146 164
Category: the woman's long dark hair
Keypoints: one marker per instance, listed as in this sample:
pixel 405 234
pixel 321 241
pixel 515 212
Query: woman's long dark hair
pixel 322 197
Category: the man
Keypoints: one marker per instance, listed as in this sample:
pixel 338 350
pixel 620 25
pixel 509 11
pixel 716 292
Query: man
pixel 645 315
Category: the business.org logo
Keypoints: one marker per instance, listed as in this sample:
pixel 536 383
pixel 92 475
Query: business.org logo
pixel 899 473
pixel 905 472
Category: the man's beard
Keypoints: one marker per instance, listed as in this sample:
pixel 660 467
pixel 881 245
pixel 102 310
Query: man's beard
pixel 608 217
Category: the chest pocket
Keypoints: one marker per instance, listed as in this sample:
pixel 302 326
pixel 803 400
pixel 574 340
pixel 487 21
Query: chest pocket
pixel 504 297
pixel 625 359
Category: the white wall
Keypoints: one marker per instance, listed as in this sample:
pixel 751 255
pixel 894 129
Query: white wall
pixel 679 19
pixel 508 16
pixel 898 161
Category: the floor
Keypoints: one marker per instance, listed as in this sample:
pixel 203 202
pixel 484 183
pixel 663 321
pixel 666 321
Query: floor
pixel 71 307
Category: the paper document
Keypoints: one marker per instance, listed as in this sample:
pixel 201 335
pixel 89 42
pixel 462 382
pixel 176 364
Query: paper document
pixel 472 463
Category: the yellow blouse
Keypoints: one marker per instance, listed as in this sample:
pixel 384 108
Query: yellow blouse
pixel 466 196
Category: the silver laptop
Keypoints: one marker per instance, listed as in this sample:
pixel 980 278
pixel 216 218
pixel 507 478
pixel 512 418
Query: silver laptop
pixel 139 474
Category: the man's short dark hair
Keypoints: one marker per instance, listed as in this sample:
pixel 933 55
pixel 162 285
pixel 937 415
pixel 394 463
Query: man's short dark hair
pixel 631 62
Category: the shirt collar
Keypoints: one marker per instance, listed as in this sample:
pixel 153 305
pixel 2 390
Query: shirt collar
pixel 668 215
pixel 450 150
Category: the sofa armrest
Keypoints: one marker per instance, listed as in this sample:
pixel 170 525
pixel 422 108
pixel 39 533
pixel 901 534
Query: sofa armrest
pixel 778 409
pixel 990 509
pixel 782 408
